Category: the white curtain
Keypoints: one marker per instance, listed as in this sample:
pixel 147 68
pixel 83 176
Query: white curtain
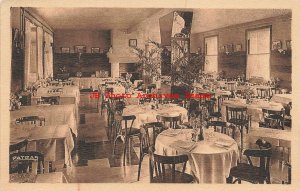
pixel 48 56
pixel 258 58
pixel 211 54
pixel 40 52
pixel 29 72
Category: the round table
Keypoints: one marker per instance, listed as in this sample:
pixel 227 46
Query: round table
pixel 144 113
pixel 208 162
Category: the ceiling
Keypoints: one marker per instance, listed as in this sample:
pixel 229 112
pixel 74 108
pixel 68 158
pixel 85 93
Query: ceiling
pixel 93 18
pixel 124 18
pixel 209 19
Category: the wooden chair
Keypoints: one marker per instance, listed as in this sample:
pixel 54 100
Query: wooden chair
pixel 162 169
pixel 211 104
pixel 221 126
pixel 125 134
pixel 274 118
pixel 250 173
pixel 173 121
pixel 146 141
pixel 36 120
pixel 263 93
pixel 238 117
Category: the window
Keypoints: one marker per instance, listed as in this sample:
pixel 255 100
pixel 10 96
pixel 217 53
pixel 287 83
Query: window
pixel 258 57
pixel 211 54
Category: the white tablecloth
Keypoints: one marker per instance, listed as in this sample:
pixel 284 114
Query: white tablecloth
pixel 67 91
pixel 54 114
pixel 44 139
pixel 144 114
pixel 254 109
pixel 84 83
pixel 282 98
pixel 210 163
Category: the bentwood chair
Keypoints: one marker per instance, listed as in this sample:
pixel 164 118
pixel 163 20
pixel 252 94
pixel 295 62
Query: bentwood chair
pixel 147 141
pixel 248 171
pixel 238 117
pixel 274 118
pixel 211 105
pixel 263 92
pixel 125 134
pixel 221 127
pixel 163 169
pixel 173 121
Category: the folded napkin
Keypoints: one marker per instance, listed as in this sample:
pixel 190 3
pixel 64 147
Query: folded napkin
pixel 224 143
pixel 170 133
pixel 187 145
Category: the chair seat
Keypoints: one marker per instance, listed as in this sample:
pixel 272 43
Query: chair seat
pixel 248 173
pixel 238 121
pixel 134 131
pixel 179 177
pixel 216 114
pixel 275 117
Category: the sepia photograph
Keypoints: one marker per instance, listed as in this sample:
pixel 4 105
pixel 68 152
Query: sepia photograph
pixel 153 108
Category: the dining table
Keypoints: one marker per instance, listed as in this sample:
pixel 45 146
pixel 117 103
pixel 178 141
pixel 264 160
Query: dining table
pixel 55 142
pixel 66 93
pixel 254 109
pixel 210 160
pixel 53 114
pixel 281 149
pixel 282 98
pixel 145 114
pixel 90 82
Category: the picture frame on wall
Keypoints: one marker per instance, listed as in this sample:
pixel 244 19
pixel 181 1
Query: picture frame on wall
pixel 222 49
pixel 95 50
pixel 276 45
pixel 80 49
pixel 238 47
pixel 288 44
pixel 229 48
pixel 132 42
pixel 65 50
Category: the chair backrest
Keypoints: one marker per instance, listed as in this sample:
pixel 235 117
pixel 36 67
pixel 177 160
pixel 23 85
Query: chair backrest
pixel 236 114
pixel 147 141
pixel 264 154
pixel 221 127
pixel 20 146
pixel 158 166
pixel 128 119
pixel 26 161
pixel 263 92
pixel 31 120
pixel 172 120
pixel 274 118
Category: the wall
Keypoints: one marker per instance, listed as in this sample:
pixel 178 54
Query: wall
pixel 18 56
pixel 87 65
pixel 236 64
pixel 88 38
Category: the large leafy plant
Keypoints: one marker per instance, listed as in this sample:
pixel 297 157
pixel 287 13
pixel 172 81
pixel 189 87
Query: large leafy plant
pixel 149 60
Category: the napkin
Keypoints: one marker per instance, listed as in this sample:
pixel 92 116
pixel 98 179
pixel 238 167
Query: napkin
pixel 224 143
pixel 169 133
pixel 186 145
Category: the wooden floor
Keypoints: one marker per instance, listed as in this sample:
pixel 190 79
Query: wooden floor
pixel 93 158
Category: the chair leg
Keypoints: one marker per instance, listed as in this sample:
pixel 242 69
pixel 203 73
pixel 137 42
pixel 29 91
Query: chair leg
pixel 140 165
pixel 125 147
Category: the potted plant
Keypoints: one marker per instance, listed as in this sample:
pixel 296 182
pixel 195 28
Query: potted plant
pixel 149 63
